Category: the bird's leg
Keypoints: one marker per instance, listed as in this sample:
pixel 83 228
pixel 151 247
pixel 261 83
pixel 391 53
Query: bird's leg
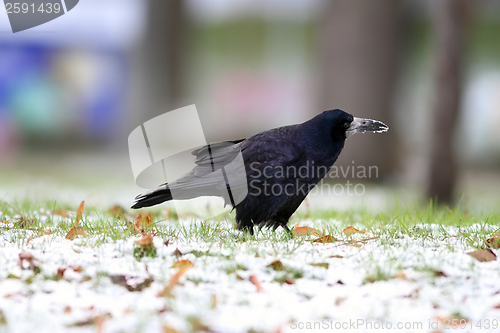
pixel 283 223
pixel 248 229
pixel 245 227
pixel 287 230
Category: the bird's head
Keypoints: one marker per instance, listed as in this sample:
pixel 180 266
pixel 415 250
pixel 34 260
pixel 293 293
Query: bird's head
pixel 344 124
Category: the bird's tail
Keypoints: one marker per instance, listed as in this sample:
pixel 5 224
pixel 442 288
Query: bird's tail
pixel 153 197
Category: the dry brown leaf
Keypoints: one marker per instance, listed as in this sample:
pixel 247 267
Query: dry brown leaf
pixel 305 231
pixel 79 214
pixel 123 280
pixel 168 329
pixel 175 279
pixel 145 240
pixel 177 253
pixel 77 269
pixel 400 275
pixel 483 255
pixel 325 239
pixel 182 263
pixel 28 240
pixel 256 283
pixel 77 231
pixel 214 301
pixel 60 272
pixel 117 211
pixel 61 212
pixel 448 321
pixel 496 234
pixel 26 256
pixel 29 258
pixel 143 221
pixel 351 230
pixel 132 226
pixel 276 265
pixel 493 242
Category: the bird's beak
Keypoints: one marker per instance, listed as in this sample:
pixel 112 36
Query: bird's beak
pixel 363 125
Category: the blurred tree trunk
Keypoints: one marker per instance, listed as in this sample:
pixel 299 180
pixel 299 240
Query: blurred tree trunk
pixel 449 27
pixel 161 58
pixel 358 67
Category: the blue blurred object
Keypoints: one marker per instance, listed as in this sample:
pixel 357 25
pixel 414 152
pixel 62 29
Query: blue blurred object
pixel 68 78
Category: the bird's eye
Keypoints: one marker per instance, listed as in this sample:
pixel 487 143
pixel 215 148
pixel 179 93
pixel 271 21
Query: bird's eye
pixel 346 125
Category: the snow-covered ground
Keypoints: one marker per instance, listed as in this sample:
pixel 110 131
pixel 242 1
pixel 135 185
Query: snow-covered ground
pixel 377 281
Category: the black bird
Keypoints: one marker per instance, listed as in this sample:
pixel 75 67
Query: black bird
pixel 282 166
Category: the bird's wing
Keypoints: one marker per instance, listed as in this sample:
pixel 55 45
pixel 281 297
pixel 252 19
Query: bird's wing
pixel 269 154
pixel 216 164
pixel 215 156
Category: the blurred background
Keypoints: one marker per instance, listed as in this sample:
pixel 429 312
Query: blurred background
pixel 73 89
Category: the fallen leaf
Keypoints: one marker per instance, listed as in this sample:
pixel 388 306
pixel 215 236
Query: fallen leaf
pixel 117 211
pixel 177 253
pixel 61 212
pixel 305 231
pixel 143 221
pixel 28 240
pixel 493 243
pixel 123 280
pixel 276 265
pixel 214 301
pixel 27 257
pixel 321 264
pixel 351 230
pixel 452 322
pixel 182 263
pixel 256 283
pixel 168 329
pixel 483 255
pixel 145 240
pixel 77 231
pixel 337 256
pixel 77 269
pixel 79 213
pixel 60 272
pixel 174 280
pixel 98 321
pixel 67 309
pixel 325 239
pixel 132 226
pixel 400 275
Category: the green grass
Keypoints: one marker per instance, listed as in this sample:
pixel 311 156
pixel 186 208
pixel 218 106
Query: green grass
pixel 390 225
